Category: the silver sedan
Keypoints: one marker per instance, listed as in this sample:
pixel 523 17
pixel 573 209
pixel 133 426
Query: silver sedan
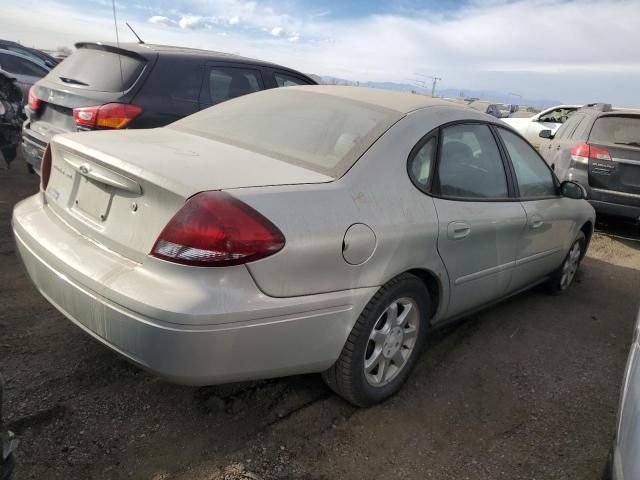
pixel 296 230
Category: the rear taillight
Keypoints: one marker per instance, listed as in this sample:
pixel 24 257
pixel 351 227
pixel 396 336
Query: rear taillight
pixel 45 168
pixel 582 152
pixel 33 101
pixel 214 229
pixel 111 115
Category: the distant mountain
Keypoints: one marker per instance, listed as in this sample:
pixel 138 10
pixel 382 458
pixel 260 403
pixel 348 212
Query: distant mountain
pixel 488 95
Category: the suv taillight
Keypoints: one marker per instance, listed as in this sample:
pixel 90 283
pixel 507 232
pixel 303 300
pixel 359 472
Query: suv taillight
pixel 45 168
pixel 33 101
pixel 111 115
pixel 214 229
pixel 582 152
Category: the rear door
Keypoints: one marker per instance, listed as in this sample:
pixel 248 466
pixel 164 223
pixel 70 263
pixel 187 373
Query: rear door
pixel 550 220
pixel 479 224
pixel 224 81
pixel 615 154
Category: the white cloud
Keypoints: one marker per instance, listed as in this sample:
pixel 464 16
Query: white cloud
pixel 160 20
pixel 277 31
pixel 192 22
pixel 234 20
pixel 294 37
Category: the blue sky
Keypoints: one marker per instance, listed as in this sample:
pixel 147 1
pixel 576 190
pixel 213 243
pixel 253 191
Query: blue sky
pixel 571 50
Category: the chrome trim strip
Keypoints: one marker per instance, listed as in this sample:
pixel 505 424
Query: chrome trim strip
pixel 626 160
pixel 103 175
pixel 614 192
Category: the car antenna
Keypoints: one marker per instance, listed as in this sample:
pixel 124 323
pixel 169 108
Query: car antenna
pixel 134 32
pixel 115 23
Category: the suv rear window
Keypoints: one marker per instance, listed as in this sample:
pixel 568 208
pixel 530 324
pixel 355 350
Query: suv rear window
pixel 320 132
pixel 97 70
pixel 621 130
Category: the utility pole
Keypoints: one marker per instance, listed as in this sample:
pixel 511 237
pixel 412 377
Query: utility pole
pixel 434 82
pixel 433 85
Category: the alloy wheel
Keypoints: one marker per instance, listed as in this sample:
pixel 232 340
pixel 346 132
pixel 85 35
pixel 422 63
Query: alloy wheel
pixel 391 341
pixel 570 266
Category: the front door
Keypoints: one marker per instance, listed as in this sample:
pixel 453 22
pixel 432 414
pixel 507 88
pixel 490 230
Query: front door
pixel 550 225
pixel 479 225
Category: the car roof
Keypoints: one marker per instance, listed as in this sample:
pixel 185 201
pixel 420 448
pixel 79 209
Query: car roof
pixel 212 55
pixel 402 102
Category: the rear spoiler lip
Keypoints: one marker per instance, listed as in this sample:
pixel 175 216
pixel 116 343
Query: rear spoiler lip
pixel 110 48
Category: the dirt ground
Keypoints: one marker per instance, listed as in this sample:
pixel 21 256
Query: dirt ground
pixel 525 390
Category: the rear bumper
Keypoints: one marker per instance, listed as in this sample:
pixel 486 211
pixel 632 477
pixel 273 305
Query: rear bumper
pixel 33 147
pixel 620 204
pixel 190 325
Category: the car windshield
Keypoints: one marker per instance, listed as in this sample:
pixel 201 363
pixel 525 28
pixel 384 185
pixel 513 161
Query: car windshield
pixel 320 132
pixel 622 130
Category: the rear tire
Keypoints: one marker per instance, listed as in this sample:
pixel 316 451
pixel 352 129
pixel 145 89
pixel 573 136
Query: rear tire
pixel 563 278
pixel 384 344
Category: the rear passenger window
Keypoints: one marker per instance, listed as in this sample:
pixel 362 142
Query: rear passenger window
pixel 186 85
pixel 228 83
pixel 284 80
pixel 470 164
pixel 567 128
pixel 420 163
pixel 534 177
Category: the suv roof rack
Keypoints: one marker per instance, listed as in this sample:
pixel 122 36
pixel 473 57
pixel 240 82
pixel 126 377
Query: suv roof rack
pixel 603 107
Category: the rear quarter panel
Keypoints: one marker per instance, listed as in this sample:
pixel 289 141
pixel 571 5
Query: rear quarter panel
pixel 377 192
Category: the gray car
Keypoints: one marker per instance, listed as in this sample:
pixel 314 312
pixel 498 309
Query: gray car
pixel 625 462
pixel 599 147
pixel 25 70
pixel 296 230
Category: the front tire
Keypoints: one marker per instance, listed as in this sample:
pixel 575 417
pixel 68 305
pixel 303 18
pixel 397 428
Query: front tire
pixel 384 344
pixel 563 278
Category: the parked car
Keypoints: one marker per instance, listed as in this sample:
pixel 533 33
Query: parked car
pixel 25 70
pixel 624 462
pixel 158 85
pixel 599 147
pixel 549 119
pixel 37 55
pixel 296 230
pixel 498 110
pixel 11 116
pixel 8 444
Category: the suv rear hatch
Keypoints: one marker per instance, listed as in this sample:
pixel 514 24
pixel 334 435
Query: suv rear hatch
pixel 614 160
pixel 120 189
pixel 95 74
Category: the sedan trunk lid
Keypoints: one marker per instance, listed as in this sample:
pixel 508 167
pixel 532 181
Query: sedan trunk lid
pixel 121 188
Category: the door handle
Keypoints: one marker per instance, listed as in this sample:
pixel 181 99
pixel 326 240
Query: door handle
pixel 458 230
pixel 535 222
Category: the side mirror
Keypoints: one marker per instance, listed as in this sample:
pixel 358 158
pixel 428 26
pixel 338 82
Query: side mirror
pixel 573 190
pixel 546 134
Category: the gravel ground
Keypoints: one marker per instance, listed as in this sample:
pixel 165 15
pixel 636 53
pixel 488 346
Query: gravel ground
pixel 525 390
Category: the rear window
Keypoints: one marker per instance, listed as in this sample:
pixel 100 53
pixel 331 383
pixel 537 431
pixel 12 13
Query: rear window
pixel 620 130
pixel 97 70
pixel 320 132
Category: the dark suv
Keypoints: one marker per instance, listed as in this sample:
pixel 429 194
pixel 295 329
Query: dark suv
pixel 105 86
pixel 599 147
